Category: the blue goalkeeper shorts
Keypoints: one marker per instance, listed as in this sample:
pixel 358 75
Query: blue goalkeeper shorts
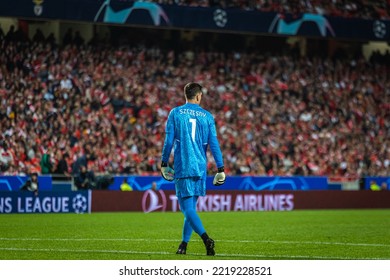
pixel 192 186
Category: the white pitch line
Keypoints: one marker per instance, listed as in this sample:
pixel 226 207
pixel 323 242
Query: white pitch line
pixel 176 240
pixel 252 256
pixel 83 251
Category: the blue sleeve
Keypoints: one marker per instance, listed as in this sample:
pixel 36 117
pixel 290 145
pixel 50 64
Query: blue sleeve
pixel 214 145
pixel 169 136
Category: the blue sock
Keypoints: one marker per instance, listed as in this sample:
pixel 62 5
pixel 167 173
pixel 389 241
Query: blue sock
pixel 191 218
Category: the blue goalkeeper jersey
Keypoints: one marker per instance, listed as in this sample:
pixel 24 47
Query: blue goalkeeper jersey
pixel 190 129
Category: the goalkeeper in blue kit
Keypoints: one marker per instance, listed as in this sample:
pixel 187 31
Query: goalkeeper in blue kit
pixel 190 129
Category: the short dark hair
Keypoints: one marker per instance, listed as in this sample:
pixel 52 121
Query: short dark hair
pixel 192 89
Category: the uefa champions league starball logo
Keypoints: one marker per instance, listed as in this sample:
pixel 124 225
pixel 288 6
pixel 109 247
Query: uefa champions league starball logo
pixel 379 29
pixel 80 204
pixel 220 18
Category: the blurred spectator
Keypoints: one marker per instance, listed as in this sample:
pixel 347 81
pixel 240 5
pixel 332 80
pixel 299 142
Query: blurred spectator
pixel 78 40
pixel 31 184
pixel 1 33
pixel 85 180
pixel 46 164
pixel 62 167
pixel 38 36
pixel 104 181
pixel 374 186
pixel 125 185
pixel 11 34
pixel 68 38
pixel 6 157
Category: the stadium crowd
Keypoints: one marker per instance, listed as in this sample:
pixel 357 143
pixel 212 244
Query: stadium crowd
pixel 339 8
pixel 105 108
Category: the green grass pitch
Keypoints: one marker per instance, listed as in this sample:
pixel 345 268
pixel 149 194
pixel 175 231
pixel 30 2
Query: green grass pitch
pixel 295 235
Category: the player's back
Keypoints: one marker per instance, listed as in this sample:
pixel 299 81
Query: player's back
pixel 192 128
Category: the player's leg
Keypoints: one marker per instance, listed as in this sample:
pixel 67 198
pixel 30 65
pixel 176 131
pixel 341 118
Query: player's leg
pixel 187 230
pixel 189 210
pixel 188 207
pixel 182 190
pixel 188 190
pixel 186 235
pixel 185 204
pixel 200 190
pixel 208 242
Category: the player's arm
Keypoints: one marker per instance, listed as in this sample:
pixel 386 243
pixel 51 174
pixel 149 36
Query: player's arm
pixel 220 177
pixel 166 171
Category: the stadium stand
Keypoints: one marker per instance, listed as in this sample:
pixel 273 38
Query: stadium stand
pixel 336 8
pixel 105 106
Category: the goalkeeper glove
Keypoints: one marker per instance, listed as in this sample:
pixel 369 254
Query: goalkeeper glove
pixel 167 172
pixel 219 178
